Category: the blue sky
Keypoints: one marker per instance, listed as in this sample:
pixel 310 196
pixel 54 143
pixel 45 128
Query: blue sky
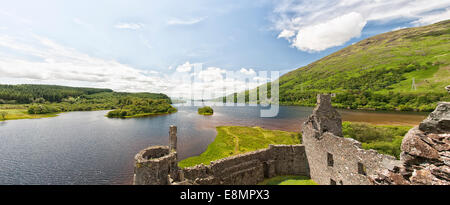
pixel 139 45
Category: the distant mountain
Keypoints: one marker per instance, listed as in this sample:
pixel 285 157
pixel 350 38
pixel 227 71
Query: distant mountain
pixel 404 70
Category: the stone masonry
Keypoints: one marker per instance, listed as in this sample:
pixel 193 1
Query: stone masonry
pixel 425 152
pixel 334 159
pixel 325 156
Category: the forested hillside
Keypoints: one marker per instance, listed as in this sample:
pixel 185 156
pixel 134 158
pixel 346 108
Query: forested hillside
pixel 24 94
pixel 399 70
pixel 27 101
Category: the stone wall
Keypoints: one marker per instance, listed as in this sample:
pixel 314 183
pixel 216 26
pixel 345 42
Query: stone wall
pixel 425 153
pixel 334 159
pixel 338 160
pixel 154 165
pixel 325 156
pixel 250 168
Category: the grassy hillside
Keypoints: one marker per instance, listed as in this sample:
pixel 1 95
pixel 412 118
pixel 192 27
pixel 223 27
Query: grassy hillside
pixel 378 72
pixel 233 140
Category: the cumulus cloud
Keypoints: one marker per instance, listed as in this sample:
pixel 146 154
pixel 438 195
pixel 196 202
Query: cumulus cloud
pixel 52 63
pixel 321 24
pixel 129 26
pixel 186 67
pixel 39 60
pixel 433 18
pixel 334 32
pixel 247 71
pixel 191 21
pixel 211 74
pixel 287 34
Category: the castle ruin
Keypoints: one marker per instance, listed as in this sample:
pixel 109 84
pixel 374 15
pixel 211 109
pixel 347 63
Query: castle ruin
pixel 325 156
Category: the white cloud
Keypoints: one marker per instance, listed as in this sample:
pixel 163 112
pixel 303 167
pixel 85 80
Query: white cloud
pixel 398 28
pixel 48 62
pixel 334 32
pixel 130 26
pixel 212 74
pixel 286 34
pixel 191 21
pixel 247 71
pixel 62 65
pixel 186 67
pixel 433 18
pixel 322 24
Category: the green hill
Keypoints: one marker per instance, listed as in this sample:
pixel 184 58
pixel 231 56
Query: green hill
pixel 378 72
pixel 37 101
pixel 28 93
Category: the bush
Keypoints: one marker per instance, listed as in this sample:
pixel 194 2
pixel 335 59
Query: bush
pixel 385 147
pixel 138 107
pixel 3 114
pixel 205 110
pixel 385 139
pixel 42 109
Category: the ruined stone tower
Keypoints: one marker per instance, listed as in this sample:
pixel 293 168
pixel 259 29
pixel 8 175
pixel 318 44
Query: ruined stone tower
pixel 324 118
pixel 173 138
pixel 157 165
pixel 332 158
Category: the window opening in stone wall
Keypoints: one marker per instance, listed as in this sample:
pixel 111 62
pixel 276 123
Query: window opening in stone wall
pixel 330 160
pixel 361 169
pixel 332 182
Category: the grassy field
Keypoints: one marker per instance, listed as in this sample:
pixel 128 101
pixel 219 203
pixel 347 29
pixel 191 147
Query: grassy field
pixel 20 112
pixel 386 139
pixel 288 180
pixel 233 140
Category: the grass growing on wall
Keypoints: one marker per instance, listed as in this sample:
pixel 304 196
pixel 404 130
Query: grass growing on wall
pixel 288 180
pixel 386 139
pixel 233 140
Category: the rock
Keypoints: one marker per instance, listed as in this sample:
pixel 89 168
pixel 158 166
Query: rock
pixel 438 121
pixel 412 144
pixel 387 177
pixel 448 88
pixel 325 118
pixel 442 172
pixel 422 177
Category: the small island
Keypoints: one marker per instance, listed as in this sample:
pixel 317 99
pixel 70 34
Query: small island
pixel 137 107
pixel 205 110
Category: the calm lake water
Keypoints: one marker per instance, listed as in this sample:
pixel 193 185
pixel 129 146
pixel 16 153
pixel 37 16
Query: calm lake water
pixel 88 148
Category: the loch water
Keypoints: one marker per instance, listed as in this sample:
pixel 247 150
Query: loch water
pixel 88 148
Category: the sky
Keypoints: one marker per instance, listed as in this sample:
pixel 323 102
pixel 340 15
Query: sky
pixel 155 46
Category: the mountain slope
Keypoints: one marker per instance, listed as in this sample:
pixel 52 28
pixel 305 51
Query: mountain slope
pixel 378 72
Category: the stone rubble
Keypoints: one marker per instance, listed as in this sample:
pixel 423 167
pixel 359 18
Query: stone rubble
pixel 425 153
